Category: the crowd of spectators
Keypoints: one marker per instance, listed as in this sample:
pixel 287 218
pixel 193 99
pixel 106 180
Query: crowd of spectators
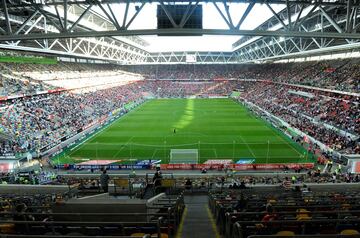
pixel 17 79
pixel 38 121
pixel 41 121
pixel 309 111
pixel 14 84
pixel 339 75
pixel 30 79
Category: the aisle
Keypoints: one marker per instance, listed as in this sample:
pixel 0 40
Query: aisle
pixel 197 221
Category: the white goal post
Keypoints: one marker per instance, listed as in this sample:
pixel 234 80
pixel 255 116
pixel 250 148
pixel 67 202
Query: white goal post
pixel 184 156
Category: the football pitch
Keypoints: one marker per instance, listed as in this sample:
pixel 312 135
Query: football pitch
pixel 218 128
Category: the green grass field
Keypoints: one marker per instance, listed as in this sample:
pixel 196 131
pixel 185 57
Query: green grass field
pixel 219 128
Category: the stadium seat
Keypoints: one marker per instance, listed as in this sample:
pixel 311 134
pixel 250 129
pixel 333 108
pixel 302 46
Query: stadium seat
pixel 7 228
pixel 285 233
pixel 162 235
pixel 138 234
pixel 349 232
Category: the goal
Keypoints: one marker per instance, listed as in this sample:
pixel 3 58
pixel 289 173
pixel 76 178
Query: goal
pixel 184 156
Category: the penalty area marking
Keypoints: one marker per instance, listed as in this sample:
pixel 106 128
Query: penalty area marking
pixel 82 143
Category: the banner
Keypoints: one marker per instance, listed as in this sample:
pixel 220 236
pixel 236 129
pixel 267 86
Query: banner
pixel 5 98
pixel 237 166
pixel 218 161
pixel 245 161
pixel 4 167
pixel 108 167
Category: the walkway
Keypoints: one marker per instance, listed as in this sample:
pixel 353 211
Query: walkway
pixel 197 221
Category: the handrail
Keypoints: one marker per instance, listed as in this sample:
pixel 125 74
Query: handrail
pixel 79 222
pixel 152 174
pixel 293 212
pixel 236 231
pixel 307 236
pixel 84 214
pixel 67 236
pixel 299 221
pixel 293 204
pixel 159 220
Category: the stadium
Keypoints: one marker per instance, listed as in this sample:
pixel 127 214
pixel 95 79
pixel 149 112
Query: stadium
pixel 179 119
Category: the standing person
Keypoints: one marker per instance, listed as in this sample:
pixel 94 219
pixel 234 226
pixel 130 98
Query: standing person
pixel 104 181
pixel 157 177
pixel 330 165
pixel 174 130
pixel 340 168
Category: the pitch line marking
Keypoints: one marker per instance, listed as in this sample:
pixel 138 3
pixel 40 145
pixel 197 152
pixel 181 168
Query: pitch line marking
pixel 83 143
pixel 155 151
pixel 286 142
pixel 216 156
pixel 123 147
pixel 251 151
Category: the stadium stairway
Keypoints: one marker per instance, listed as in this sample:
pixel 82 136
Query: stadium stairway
pixel 197 220
pixel 149 192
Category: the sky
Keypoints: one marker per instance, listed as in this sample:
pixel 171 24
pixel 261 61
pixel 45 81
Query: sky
pixel 211 20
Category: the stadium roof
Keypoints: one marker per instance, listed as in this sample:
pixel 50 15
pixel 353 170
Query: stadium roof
pixel 124 31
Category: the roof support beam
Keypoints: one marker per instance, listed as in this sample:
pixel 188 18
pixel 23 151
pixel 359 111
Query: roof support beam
pixel 228 14
pixel 189 11
pixel 135 15
pixel 113 21
pixel 182 31
pixel 49 19
pixel 298 16
pixel 315 41
pixel 171 19
pixel 26 22
pixel 283 2
pixel 349 12
pixel 7 19
pixel 332 22
pixel 58 16
pixel 79 18
pixel 298 23
pixel 125 14
pixel 246 13
pixel 230 25
pixel 277 16
pixel 65 15
pixel 288 10
pixel 2 31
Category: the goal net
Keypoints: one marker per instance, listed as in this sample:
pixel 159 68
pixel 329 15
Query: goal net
pixel 184 156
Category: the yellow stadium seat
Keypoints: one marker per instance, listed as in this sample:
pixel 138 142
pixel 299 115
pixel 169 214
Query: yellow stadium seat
pixel 7 228
pixel 285 233
pixel 349 232
pixel 137 234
